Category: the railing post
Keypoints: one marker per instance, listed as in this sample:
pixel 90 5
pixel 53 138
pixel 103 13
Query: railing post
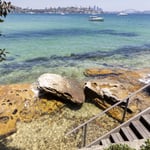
pixel 125 110
pixel 84 134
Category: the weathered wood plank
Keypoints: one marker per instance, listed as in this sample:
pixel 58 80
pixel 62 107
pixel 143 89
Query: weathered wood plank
pixel 142 131
pixel 116 137
pixel 105 142
pixel 146 120
pixel 128 133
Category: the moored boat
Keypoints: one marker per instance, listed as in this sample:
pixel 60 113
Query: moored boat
pixel 96 18
pixel 122 14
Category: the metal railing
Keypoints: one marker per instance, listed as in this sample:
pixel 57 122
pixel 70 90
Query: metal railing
pixel 97 141
pixel 85 124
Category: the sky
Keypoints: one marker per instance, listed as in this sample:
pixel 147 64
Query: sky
pixel 106 5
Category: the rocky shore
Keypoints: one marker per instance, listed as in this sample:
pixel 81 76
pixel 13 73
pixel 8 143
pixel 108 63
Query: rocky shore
pixel 37 116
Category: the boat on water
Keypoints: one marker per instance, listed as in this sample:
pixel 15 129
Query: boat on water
pixel 96 18
pixel 62 13
pixel 122 14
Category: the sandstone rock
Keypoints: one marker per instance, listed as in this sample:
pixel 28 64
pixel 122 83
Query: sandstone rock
pixel 106 90
pixel 17 103
pixel 98 71
pixel 109 86
pixel 61 87
pixel 114 84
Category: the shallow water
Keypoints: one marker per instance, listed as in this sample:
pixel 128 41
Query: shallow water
pixel 68 44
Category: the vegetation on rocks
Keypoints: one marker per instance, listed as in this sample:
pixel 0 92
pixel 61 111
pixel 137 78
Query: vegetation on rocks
pixel 119 147
pixel 5 8
pixel 146 146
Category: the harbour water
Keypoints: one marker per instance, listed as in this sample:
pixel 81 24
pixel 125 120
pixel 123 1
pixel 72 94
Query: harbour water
pixel 68 44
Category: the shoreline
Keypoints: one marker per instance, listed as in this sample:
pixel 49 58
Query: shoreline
pixel 78 75
pixel 44 120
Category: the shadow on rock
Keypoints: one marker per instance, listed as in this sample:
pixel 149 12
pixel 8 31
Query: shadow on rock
pixel 71 105
pixel 3 145
pixel 147 90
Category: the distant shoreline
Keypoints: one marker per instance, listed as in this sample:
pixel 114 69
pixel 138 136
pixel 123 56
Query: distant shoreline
pixel 75 10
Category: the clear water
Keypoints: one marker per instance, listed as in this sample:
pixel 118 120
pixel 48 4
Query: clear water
pixel 68 44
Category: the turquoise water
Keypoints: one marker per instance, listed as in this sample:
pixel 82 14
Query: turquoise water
pixel 68 44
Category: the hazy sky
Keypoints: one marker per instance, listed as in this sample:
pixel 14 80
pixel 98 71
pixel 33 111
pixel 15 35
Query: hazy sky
pixel 104 4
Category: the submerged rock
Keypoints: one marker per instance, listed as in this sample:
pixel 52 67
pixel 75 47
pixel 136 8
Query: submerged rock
pixel 60 87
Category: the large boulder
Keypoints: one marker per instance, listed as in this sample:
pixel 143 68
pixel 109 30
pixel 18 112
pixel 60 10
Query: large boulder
pixel 60 87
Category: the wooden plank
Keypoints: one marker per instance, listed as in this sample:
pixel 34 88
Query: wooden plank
pixel 131 133
pixel 128 133
pixel 146 119
pixel 120 137
pixel 141 129
pixel 105 142
pixel 116 137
